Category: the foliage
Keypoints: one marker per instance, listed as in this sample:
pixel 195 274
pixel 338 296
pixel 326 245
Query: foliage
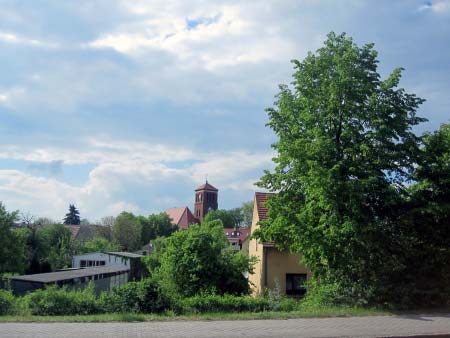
pixel 228 218
pixel 73 216
pixel 246 212
pixel 204 303
pixel 61 301
pixel 12 246
pixel 137 297
pixel 234 218
pixel 127 231
pixel 7 302
pixel 425 222
pixel 198 260
pixel 155 225
pixel 55 246
pixel 345 150
pixel 97 244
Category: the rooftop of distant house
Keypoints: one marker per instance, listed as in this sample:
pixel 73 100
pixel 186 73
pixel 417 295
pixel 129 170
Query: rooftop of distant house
pixel 242 234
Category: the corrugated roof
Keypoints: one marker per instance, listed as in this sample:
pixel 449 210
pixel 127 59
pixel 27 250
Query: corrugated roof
pixel 52 277
pixel 206 186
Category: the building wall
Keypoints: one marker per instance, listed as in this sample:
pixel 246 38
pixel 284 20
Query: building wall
pixel 111 260
pixel 272 264
pixel 255 248
pixel 279 263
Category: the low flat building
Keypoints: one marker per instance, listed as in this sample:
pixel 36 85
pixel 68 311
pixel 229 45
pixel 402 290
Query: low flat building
pixel 119 259
pixel 104 278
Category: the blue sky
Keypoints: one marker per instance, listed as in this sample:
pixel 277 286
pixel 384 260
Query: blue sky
pixel 128 105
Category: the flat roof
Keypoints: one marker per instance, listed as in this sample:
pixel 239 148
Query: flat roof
pixel 124 254
pixel 52 277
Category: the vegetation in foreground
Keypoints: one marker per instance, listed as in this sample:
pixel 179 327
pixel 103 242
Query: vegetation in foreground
pixel 363 197
pixel 141 317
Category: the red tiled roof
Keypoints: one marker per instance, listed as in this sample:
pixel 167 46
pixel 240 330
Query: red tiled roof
pixel 206 186
pixel 242 234
pixel 261 197
pixel 181 216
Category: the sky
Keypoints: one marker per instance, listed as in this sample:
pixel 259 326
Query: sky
pixel 117 105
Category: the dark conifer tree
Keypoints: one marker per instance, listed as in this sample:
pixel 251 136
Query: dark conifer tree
pixel 73 216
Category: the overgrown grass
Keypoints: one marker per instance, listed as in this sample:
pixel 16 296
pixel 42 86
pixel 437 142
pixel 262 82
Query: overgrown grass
pixel 309 312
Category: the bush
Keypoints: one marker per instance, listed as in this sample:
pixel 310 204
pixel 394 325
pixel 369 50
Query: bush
pixel 7 302
pixel 223 303
pixel 142 297
pixel 61 301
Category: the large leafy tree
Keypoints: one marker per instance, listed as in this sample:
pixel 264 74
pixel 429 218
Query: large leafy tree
pixel 229 218
pixel 73 216
pixel 345 149
pixel 12 244
pixel 155 225
pixel 127 231
pixel 54 247
pixel 199 260
pixel 427 223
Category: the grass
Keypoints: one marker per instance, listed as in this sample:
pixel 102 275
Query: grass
pixel 137 317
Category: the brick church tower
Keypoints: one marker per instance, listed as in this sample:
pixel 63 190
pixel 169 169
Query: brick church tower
pixel 205 200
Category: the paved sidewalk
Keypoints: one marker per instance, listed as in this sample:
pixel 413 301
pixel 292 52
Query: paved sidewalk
pixel 377 326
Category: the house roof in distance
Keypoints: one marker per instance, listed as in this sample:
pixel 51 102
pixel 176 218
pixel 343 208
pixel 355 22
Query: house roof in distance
pixel 262 197
pixel 242 234
pixel 206 186
pixel 52 277
pixel 181 216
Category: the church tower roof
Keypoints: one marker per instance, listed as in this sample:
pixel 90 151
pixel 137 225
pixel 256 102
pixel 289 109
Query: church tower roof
pixel 206 186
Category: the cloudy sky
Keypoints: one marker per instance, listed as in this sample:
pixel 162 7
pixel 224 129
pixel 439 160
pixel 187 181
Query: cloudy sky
pixel 127 105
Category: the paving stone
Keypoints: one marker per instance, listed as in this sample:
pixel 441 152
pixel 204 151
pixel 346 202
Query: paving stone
pixel 376 326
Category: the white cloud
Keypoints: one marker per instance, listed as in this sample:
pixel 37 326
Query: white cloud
pixel 437 6
pixel 224 35
pixel 13 38
pixel 132 176
pixel 10 96
pixel 442 6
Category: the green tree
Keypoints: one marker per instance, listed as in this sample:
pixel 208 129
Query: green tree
pixel 155 225
pixel 426 225
pixel 229 218
pixel 199 260
pixel 345 149
pixel 243 215
pixel 97 244
pixel 12 244
pixel 127 231
pixel 73 216
pixel 54 246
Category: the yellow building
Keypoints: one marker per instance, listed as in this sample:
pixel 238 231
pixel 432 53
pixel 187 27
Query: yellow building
pixel 274 266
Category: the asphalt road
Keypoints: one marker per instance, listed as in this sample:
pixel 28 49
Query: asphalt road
pixel 378 326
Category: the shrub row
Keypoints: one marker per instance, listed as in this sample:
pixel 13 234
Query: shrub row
pixel 55 301
pixel 7 303
pixel 134 297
